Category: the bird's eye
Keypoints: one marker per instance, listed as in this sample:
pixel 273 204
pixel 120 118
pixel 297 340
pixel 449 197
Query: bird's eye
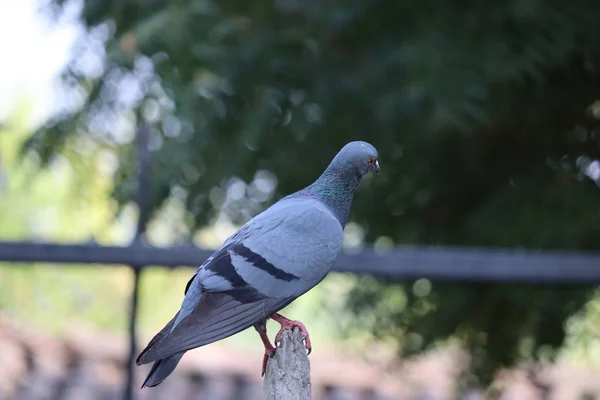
pixel 371 161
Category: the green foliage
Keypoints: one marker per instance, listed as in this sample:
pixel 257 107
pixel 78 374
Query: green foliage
pixel 68 202
pixel 52 205
pixel 498 323
pixel 480 111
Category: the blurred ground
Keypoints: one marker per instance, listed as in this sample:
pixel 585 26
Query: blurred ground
pixel 86 364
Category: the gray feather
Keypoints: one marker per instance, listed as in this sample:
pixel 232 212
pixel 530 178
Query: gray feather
pixel 190 301
pixel 157 338
pixel 161 369
pixel 217 317
pixel 260 275
pixel 273 259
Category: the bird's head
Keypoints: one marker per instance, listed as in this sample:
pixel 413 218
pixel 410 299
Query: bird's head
pixel 360 157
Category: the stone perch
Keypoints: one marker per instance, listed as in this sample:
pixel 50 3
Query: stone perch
pixel 288 372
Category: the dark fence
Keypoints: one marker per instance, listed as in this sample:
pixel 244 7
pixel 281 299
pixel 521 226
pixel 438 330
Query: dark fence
pixel 435 263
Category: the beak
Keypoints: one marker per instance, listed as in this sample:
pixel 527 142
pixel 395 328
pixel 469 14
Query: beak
pixel 376 167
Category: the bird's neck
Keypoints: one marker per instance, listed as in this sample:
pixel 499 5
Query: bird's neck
pixel 336 191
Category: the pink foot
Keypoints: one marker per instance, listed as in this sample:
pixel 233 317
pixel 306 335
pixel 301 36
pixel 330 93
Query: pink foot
pixel 261 328
pixel 290 324
pixel 268 354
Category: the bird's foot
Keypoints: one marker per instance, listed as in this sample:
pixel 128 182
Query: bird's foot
pixel 261 328
pixel 290 324
pixel 269 352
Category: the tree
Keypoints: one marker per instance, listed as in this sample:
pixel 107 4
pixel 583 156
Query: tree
pixel 485 115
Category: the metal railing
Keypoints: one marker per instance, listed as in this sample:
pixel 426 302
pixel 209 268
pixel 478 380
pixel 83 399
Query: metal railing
pixel 435 263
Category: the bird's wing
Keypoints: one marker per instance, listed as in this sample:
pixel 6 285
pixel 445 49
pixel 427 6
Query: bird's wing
pixel 292 257
pixel 282 253
pixel 275 258
pixel 217 316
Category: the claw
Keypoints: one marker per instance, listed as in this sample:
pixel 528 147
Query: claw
pixel 268 354
pixel 261 328
pixel 290 324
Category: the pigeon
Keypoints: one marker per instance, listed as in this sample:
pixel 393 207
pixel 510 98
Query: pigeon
pixel 273 259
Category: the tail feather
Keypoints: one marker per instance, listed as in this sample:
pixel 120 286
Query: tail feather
pixel 157 338
pixel 161 369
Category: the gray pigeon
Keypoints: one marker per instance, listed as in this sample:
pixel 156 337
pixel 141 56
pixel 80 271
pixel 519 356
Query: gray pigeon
pixel 273 259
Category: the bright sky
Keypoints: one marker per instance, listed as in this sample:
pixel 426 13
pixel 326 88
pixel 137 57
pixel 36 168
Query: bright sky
pixel 33 50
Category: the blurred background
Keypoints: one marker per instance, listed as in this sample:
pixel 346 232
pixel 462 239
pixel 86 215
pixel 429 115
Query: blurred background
pixel 486 115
